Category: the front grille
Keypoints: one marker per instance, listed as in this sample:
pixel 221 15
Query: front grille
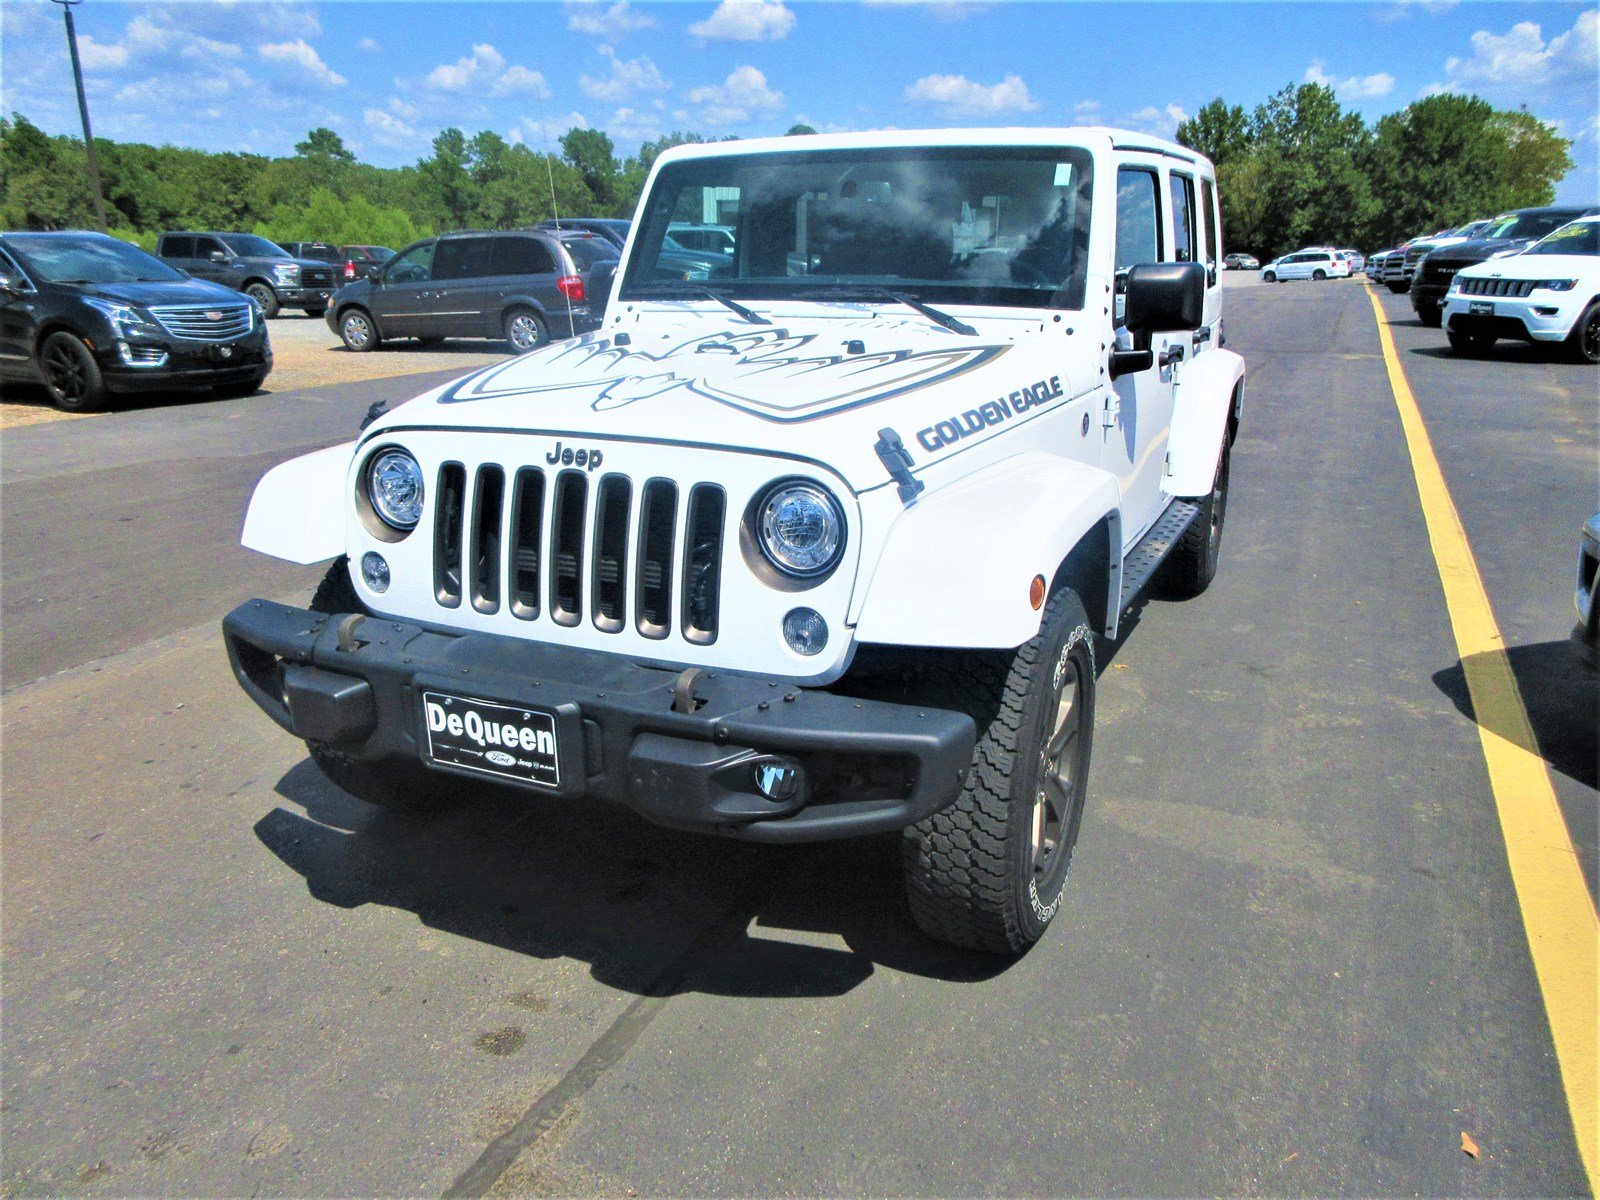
pixel 1497 287
pixel 205 323
pixel 602 559
pixel 1437 274
pixel 316 277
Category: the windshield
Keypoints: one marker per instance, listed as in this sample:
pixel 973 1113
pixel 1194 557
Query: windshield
pixel 248 245
pixel 1526 225
pixel 973 225
pixel 92 258
pixel 1580 237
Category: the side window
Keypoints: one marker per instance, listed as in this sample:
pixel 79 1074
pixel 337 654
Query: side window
pixel 1208 205
pixel 520 256
pixel 1138 218
pixel 414 266
pixel 205 247
pixel 1181 188
pixel 180 246
pixel 462 258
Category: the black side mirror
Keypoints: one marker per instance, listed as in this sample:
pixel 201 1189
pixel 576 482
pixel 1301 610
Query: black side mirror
pixel 598 286
pixel 1165 298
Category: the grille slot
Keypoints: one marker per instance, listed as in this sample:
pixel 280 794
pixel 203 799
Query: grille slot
pixel 702 566
pixel 487 502
pixel 566 532
pixel 611 553
pixel 204 322
pixel 312 277
pixel 449 516
pixel 658 518
pixel 527 534
pixel 1497 287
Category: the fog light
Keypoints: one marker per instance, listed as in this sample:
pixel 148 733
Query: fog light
pixel 777 778
pixel 375 571
pixel 805 631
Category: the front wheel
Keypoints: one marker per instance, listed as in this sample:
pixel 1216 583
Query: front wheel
pixel 265 298
pixel 1399 289
pixel 71 374
pixel 525 331
pixel 989 872
pixel 358 332
pixel 1270 277
pixel 1430 315
pixel 1583 343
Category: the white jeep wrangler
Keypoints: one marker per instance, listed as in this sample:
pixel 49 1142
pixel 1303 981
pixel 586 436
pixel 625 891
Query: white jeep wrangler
pixel 810 540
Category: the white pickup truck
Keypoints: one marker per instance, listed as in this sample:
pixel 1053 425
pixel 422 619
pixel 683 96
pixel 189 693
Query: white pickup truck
pixel 816 546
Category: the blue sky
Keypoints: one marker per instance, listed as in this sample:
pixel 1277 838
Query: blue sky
pixel 244 75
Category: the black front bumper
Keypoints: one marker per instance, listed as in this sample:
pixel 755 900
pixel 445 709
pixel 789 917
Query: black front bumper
pixel 868 765
pixel 190 365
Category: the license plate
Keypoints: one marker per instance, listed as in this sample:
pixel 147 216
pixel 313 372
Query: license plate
pixel 1481 308
pixel 504 740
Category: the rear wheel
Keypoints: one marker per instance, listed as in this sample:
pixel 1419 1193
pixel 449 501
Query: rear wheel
pixel 71 374
pixel 1583 343
pixel 1192 565
pixel 388 784
pixel 1319 273
pixel 357 331
pixel 1470 345
pixel 264 296
pixel 988 873
pixel 525 331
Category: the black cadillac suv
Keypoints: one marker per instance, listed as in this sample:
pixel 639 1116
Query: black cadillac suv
pixel 88 315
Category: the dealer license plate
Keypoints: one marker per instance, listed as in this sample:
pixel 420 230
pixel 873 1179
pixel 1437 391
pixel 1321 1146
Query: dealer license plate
pixel 505 740
pixel 1481 308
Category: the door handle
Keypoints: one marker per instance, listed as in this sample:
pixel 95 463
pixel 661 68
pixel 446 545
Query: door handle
pixel 1171 355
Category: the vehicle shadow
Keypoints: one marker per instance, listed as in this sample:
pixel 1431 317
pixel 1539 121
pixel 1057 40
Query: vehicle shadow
pixel 653 911
pixel 1505 352
pixel 1562 698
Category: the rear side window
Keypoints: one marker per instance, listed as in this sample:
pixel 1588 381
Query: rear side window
pixel 178 246
pixel 1183 232
pixel 1138 218
pixel 521 256
pixel 463 258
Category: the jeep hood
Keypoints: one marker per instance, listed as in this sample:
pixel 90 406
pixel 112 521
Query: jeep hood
pixel 819 389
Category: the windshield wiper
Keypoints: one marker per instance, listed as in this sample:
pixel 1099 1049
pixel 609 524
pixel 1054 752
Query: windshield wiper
pixel 665 288
pixel 954 324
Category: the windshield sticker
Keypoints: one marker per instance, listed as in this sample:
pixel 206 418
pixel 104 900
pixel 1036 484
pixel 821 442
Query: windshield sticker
pixel 766 373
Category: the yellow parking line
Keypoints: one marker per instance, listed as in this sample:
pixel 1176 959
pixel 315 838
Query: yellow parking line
pixel 1557 911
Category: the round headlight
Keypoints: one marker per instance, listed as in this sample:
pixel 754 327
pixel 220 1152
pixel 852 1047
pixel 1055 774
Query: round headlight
pixel 802 529
pixel 394 485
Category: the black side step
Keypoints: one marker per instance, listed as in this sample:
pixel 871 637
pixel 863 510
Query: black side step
pixel 1140 563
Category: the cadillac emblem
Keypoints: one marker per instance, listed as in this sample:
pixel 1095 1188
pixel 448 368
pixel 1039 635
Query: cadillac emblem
pixel 214 315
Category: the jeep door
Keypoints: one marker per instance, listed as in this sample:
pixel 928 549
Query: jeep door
pixel 1139 415
pixel 1210 229
pixel 400 304
pixel 459 303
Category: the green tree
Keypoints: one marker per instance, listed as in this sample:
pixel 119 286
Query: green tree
pixel 1220 131
pixel 593 156
pixel 323 143
pixel 796 130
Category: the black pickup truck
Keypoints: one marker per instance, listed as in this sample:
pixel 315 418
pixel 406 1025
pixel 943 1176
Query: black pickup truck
pixel 262 270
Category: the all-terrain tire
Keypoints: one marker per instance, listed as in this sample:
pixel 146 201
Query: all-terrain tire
pixel 400 785
pixel 982 873
pixel 1192 565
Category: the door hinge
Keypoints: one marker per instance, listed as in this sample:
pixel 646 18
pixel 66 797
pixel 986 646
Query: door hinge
pixel 1112 412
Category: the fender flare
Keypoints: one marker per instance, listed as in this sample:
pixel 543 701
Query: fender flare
pixel 297 510
pixel 1208 397
pixel 956 566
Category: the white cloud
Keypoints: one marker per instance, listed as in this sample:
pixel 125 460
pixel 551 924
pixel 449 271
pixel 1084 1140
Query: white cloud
pixel 606 21
pixel 101 56
pixel 300 54
pixel 389 128
pixel 209 50
pixel 547 136
pixel 943 10
pixel 746 21
pixel 1356 87
pixel 370 45
pixel 627 78
pixel 1163 122
pixel 485 70
pixel 743 94
pixel 958 94
pixel 631 125
pixel 1086 111
pixel 1522 56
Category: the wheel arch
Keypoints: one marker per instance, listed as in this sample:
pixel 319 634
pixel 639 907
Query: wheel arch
pixel 1210 396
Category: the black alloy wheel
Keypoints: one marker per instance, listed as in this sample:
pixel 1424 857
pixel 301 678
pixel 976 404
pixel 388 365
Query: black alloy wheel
pixel 265 297
pixel 71 374
pixel 1586 335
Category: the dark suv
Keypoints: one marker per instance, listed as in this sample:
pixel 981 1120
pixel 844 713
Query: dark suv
pixel 525 286
pixel 1510 232
pixel 86 314
pixel 262 270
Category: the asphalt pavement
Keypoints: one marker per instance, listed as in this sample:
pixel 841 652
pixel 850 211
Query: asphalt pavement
pixel 1290 961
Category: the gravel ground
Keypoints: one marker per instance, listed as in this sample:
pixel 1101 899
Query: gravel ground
pixel 307 355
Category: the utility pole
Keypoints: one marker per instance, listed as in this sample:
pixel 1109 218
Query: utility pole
pixel 83 111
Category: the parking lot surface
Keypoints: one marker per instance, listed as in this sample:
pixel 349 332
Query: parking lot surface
pixel 1291 960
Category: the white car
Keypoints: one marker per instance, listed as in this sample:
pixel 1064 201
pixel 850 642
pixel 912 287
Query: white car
pixel 1548 293
pixel 804 554
pixel 1307 264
